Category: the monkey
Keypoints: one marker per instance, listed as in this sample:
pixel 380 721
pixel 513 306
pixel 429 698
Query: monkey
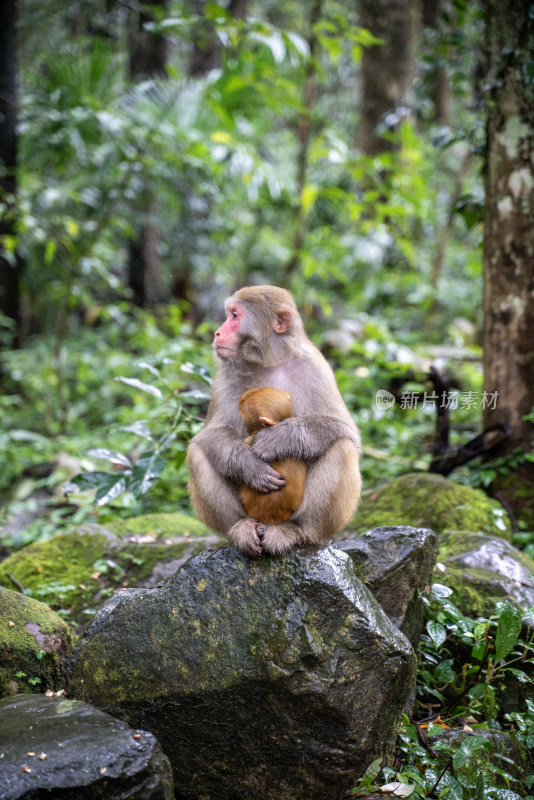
pixel 263 343
pixel 259 408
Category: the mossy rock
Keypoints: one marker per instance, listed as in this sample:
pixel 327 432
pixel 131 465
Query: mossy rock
pixel 163 526
pixel 483 571
pixel 431 501
pixel 75 572
pixel 34 642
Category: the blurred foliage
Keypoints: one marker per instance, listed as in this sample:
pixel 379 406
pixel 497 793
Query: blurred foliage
pixel 387 271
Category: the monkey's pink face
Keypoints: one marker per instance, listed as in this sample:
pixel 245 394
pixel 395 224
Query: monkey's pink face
pixel 227 336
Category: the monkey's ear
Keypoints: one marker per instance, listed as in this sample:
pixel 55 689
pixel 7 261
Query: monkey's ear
pixel 266 421
pixel 282 321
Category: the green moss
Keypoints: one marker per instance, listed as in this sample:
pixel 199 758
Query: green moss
pixel 160 525
pixel 59 570
pixel 476 588
pixel 431 501
pixel 153 540
pixel 516 488
pixel 33 641
pixel 75 572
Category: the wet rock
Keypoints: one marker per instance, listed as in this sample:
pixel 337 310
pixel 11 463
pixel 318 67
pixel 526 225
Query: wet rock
pixel 396 565
pixel 54 747
pixel 431 501
pixel 483 570
pixel 276 678
pixel 34 643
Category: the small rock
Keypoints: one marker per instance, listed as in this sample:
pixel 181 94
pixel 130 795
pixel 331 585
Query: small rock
pixel 483 570
pixel 34 643
pixel 84 754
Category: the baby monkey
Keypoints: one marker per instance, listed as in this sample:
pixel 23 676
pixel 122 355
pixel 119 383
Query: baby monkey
pixel 261 408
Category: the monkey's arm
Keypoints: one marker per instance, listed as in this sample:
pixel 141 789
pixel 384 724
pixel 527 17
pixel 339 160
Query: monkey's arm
pixel 234 459
pixel 304 438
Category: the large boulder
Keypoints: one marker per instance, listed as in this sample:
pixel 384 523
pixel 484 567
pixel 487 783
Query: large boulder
pixel 53 747
pixel 431 501
pixel 272 678
pixel 396 564
pixel 34 643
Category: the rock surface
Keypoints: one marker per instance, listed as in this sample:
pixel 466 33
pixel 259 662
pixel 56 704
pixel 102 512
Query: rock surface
pixel 483 570
pixel 276 678
pixel 54 747
pixel 396 565
pixel 34 642
pixel 75 571
pixel 431 501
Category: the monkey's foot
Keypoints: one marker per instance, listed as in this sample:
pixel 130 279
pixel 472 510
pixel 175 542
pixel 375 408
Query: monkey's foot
pixel 278 539
pixel 244 536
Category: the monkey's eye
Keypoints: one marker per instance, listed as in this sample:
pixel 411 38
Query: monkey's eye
pixel 234 314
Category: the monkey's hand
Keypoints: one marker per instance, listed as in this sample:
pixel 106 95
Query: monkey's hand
pixel 264 478
pixel 236 461
pixel 279 441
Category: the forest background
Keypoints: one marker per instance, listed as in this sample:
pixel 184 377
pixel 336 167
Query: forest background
pixel 374 158
pixel 167 154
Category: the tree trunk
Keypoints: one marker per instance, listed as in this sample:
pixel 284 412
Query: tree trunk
pixel 147 59
pixel 9 266
pixel 509 241
pixel 206 52
pixel 304 134
pixel 387 70
pixel 434 15
pixel 147 51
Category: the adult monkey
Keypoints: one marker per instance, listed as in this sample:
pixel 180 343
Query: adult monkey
pixel 263 343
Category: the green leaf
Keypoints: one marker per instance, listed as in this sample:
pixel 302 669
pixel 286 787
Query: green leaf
pixel 87 480
pixel 148 468
pixel 521 676
pixel 478 649
pixel 149 367
pixel 444 672
pixel 508 630
pixel 397 789
pixel 372 770
pixel 195 394
pixel 50 251
pixel 111 488
pixel 110 455
pixel 21 435
pixel 140 428
pixel 144 387
pixel 440 591
pixel 469 748
pixel 199 370
pixel 437 632
pixel 179 458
